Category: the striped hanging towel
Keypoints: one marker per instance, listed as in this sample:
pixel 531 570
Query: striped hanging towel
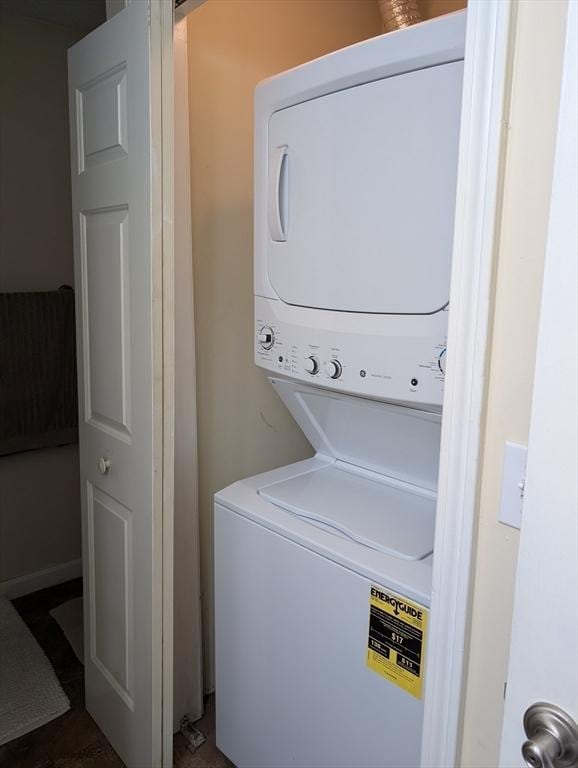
pixel 38 396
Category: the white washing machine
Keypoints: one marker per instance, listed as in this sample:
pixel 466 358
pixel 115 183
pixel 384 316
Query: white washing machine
pixel 323 568
pixel 298 554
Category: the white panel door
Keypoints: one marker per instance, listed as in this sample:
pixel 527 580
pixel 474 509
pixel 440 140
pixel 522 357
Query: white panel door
pixel 114 140
pixel 361 195
pixel 543 654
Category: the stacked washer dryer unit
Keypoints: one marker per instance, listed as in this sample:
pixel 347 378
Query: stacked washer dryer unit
pixel 323 568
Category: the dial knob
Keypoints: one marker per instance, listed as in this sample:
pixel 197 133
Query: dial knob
pixel 333 369
pixel 312 365
pixel 442 360
pixel 266 337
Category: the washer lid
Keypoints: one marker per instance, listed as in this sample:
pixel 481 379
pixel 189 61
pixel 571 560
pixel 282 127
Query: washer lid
pixel 389 519
pixel 395 441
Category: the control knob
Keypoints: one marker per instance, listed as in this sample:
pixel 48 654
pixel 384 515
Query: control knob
pixel 333 369
pixel 442 360
pixel 312 365
pixel 266 337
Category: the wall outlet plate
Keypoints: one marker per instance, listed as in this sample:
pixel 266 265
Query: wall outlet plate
pixel 513 481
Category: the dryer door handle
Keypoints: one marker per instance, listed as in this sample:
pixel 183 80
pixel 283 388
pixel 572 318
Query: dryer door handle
pixel 278 194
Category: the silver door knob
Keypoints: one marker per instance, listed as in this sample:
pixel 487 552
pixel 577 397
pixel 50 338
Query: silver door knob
pixel 552 737
pixel 103 465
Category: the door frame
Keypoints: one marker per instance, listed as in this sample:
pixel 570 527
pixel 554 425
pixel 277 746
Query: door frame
pixel 162 20
pixel 482 135
pixel 486 71
pixel 161 16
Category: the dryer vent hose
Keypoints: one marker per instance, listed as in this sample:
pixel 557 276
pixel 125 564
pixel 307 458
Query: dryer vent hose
pixel 397 14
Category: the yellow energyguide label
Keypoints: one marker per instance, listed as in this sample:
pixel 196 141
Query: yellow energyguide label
pixel 396 639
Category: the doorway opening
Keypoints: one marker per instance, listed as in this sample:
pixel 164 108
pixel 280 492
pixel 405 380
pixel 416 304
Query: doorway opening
pixel 41 666
pixel 226 47
pixel 243 427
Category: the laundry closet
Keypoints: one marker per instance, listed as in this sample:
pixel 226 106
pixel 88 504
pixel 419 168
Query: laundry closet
pixel 232 422
pixel 243 427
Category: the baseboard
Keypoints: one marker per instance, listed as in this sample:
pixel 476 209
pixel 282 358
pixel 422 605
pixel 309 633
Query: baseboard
pixel 32 582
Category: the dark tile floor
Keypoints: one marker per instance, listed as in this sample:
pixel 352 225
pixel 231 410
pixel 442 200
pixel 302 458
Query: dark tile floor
pixel 207 755
pixel 74 740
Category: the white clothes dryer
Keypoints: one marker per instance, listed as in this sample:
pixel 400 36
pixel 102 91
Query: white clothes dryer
pixel 355 181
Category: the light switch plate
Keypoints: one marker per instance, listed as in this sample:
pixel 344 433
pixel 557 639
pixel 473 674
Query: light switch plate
pixel 513 479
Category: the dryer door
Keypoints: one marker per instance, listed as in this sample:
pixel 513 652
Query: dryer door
pixel 361 195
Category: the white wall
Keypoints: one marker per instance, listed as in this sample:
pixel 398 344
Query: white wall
pixel 35 208
pixel 535 88
pixel 39 490
pixel 115 6
pixel 39 511
pixel 243 426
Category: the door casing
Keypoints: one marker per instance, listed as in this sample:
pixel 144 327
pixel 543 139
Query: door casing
pixel 481 143
pixel 478 191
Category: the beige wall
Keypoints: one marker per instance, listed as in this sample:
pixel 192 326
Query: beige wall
pixel 431 8
pixel 35 212
pixel 39 511
pixel 39 490
pixel 243 426
pixel 538 48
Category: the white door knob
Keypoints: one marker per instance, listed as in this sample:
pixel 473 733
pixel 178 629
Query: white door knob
pixel 103 465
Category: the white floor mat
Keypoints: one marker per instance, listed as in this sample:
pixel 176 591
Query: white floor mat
pixel 30 694
pixel 69 618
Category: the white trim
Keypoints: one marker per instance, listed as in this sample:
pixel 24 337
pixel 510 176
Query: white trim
pixel 161 84
pixel 165 74
pixel 115 6
pixel 485 74
pixel 48 577
pixel 187 7
pixel 188 660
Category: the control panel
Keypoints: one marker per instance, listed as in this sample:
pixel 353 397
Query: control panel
pixel 403 358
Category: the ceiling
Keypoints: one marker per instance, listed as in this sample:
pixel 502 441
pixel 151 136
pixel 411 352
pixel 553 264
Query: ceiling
pixel 83 15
